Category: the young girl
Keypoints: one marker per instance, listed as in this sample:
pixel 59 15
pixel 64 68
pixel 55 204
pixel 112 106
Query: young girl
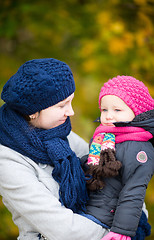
pixel 41 180
pixel 121 158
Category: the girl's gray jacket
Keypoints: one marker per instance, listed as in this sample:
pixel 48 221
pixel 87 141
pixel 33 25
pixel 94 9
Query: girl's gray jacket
pixel 32 196
pixel 119 203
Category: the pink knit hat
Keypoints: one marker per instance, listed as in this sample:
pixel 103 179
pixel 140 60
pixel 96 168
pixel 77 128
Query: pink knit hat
pixel 132 91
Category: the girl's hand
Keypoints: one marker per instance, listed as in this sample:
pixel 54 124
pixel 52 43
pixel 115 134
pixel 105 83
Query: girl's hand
pixel 115 236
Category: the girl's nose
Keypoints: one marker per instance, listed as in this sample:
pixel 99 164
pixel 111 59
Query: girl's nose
pixel 109 115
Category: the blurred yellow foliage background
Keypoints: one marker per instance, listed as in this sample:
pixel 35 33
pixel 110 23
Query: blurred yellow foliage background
pixel 98 39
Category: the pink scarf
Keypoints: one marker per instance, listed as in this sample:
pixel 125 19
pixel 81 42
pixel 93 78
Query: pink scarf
pixel 125 133
pixel 102 159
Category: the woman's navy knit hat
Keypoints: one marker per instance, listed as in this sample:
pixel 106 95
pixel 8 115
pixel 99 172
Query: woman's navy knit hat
pixel 38 84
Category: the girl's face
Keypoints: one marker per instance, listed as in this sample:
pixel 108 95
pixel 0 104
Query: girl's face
pixel 53 116
pixel 113 109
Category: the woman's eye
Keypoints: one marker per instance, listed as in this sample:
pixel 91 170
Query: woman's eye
pixel 104 110
pixel 117 110
pixel 62 106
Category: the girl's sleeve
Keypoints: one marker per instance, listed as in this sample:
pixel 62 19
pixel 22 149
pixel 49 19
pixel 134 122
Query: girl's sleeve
pixel 137 170
pixel 38 206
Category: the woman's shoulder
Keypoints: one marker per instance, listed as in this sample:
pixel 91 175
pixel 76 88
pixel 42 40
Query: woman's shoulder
pixel 8 157
pixel 78 144
pixel 15 160
pixel 8 152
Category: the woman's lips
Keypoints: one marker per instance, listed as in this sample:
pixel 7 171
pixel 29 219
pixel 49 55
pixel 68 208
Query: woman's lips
pixel 63 120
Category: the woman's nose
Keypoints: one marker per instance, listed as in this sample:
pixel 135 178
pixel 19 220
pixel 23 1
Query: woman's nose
pixel 69 111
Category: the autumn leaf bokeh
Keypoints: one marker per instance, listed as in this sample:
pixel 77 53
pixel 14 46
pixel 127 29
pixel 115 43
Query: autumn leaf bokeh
pixel 98 39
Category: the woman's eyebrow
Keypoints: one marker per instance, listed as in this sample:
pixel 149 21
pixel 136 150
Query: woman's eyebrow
pixel 64 101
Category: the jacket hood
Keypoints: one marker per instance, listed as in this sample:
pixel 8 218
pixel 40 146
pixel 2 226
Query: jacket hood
pixel 144 120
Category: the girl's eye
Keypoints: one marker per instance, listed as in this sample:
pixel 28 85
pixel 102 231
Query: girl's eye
pixel 117 110
pixel 104 110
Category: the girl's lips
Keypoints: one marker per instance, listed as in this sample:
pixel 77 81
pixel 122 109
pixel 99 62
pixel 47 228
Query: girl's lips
pixel 108 124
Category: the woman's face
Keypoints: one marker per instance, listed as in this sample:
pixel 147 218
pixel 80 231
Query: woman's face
pixel 53 116
pixel 114 109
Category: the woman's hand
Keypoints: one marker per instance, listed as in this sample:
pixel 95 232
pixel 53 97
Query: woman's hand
pixel 115 236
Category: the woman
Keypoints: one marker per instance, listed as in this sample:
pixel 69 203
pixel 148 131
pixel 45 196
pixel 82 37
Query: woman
pixel 41 180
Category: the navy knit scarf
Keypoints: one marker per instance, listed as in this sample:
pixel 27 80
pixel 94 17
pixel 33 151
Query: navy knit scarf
pixel 47 147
